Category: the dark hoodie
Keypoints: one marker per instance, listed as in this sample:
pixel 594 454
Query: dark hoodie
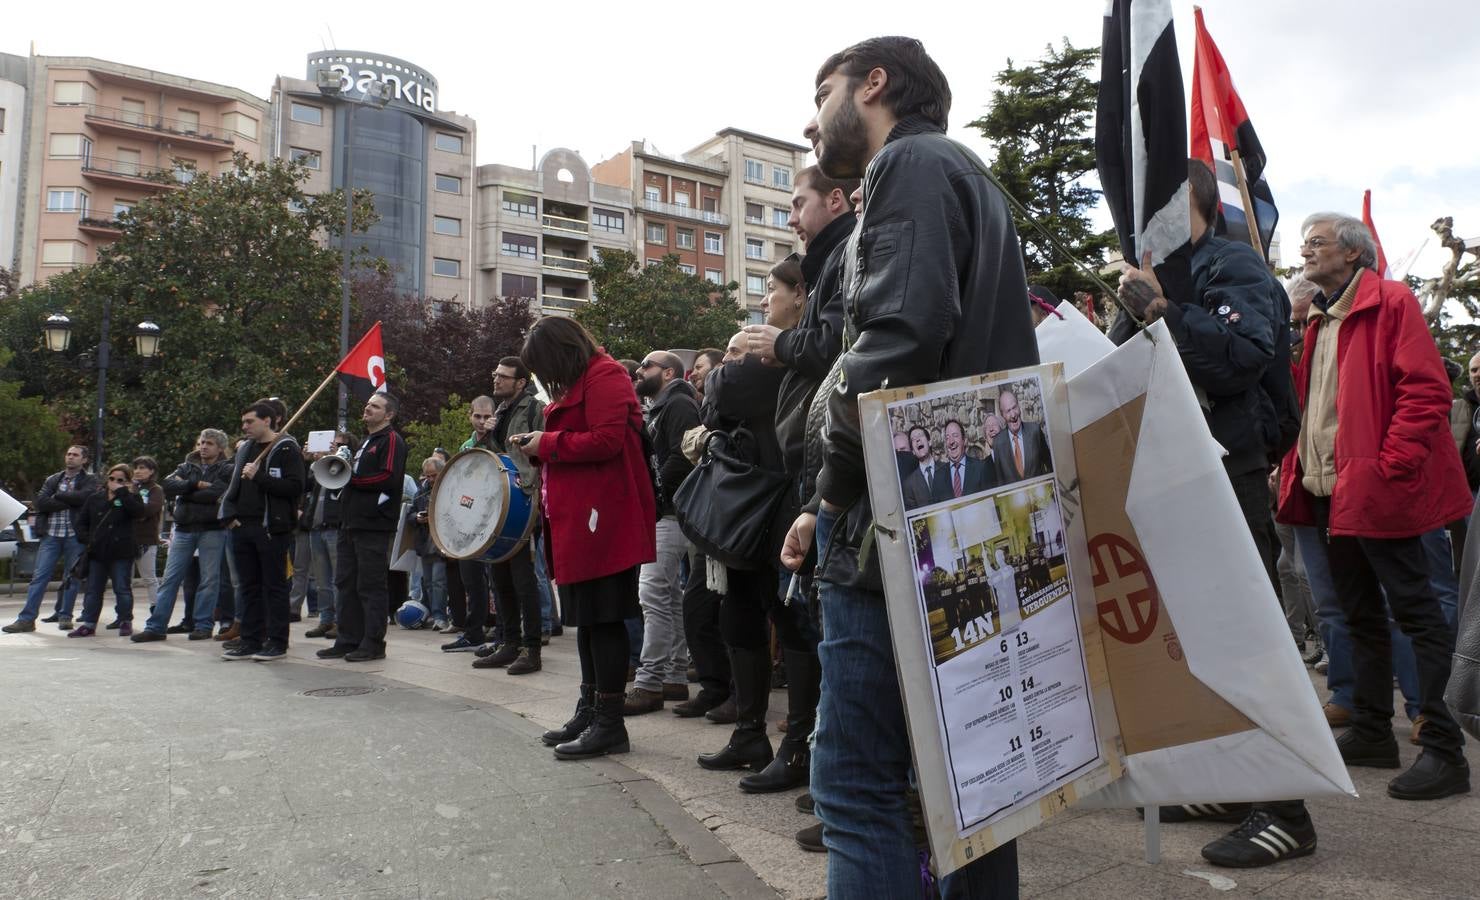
pixel 674 411
pixel 270 498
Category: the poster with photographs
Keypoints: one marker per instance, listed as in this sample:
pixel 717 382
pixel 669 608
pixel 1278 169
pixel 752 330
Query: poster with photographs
pixel 991 611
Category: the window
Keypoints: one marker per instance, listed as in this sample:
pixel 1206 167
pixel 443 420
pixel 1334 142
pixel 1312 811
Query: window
pixel 652 194
pixel 73 93
pixel 2 120
pixel 714 242
pixel 62 253
pixel 447 268
pixel 755 214
pixel 654 261
pixel 184 170
pixel 449 184
pixel 520 204
pixel 308 115
pixel 132 111
pixel 606 220
pixel 687 269
pixel 70 146
pixel 187 120
pixel 754 171
pixel 755 284
pixel 241 123
pixel 451 143
pixel 657 233
pixel 122 208
pixel 714 276
pixel 447 226
pixel 520 245
pixel 755 248
pixel 309 158
pixel 756 317
pixel 127 162
pixel 681 198
pixel 781 177
pixel 68 200
pixel 711 204
pixel 782 251
pixel 683 238
pixel 526 286
pixel 779 217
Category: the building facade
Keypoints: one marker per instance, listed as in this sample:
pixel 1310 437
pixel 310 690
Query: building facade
pixel 14 80
pixel 101 136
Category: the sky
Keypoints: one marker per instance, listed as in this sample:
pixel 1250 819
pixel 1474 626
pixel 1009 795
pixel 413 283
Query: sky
pixel 1345 96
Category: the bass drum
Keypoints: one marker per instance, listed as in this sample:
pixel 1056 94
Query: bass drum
pixel 478 508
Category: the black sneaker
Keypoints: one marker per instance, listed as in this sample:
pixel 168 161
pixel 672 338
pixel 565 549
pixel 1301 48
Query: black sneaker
pixel 181 628
pixel 202 635
pixel 1357 751
pixel 112 626
pixel 484 650
pixel 232 644
pixel 462 645
pixel 270 653
pixel 144 637
pixel 334 652
pixel 1232 813
pixel 52 619
pixel 241 651
pixel 362 655
pixel 1430 778
pixel 1261 840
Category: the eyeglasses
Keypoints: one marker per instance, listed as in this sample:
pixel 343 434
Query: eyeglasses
pixel 499 375
pixel 647 364
pixel 1317 243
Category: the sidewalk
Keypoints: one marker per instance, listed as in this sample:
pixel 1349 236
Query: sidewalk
pixel 1369 847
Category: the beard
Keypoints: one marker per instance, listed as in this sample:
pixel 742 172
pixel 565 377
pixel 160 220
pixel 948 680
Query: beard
pixel 650 385
pixel 844 144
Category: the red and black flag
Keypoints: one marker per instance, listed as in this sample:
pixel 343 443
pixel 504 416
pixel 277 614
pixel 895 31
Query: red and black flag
pixel 363 370
pixel 1382 263
pixel 1221 126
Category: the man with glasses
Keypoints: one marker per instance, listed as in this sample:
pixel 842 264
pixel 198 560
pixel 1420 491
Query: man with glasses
pixel 58 501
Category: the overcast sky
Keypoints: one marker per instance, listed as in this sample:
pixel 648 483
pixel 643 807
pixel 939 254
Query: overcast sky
pixel 1345 96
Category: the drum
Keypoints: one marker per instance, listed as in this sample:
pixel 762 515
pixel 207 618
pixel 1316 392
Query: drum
pixel 478 509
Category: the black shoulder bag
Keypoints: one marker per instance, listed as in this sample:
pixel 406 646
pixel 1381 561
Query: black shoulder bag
pixel 727 505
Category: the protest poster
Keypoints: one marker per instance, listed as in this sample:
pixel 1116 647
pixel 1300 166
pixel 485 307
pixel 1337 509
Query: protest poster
pixel 991 611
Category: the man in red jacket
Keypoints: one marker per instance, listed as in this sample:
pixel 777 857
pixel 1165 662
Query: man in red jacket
pixel 1375 468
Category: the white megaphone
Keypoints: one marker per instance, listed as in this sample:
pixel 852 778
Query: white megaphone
pixel 332 471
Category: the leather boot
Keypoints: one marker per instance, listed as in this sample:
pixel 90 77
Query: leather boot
pixel 528 661
pixel 585 709
pixel 748 745
pixel 792 766
pixel 607 733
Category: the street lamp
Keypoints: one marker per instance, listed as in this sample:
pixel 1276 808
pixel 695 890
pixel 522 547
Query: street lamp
pixel 375 94
pixel 58 334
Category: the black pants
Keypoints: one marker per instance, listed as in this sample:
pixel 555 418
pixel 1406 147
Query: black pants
pixel 701 630
pixel 361 586
pixel 262 565
pixel 474 578
pixel 516 591
pixel 742 611
pixel 457 595
pixel 603 651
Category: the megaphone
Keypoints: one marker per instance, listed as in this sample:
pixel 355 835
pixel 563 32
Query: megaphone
pixel 332 472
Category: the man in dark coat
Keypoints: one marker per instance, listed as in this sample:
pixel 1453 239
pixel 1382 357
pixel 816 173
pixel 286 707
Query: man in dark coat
pixel 1021 450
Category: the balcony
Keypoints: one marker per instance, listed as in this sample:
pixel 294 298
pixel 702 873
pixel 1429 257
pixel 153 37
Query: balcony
pixel 685 212
pixel 561 223
pixel 566 266
pixel 555 303
pixel 179 132
pixel 129 174
pixel 99 227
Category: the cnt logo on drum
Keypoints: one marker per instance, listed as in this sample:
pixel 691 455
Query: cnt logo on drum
pixel 466 502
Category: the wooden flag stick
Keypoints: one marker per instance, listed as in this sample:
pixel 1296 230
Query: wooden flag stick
pixel 306 404
pixel 1250 218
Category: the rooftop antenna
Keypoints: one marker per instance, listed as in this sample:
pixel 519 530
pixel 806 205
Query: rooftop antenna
pixel 331 35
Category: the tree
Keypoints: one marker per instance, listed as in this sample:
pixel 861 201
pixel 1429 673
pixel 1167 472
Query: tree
pixel 448 429
pixel 1040 126
pixel 435 349
pixel 34 439
pixel 231 268
pixel 638 309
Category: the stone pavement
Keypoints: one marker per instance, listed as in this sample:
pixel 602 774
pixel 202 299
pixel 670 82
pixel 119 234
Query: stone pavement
pixel 96 761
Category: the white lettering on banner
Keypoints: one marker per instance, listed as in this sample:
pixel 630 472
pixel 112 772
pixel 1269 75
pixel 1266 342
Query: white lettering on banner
pixel 412 92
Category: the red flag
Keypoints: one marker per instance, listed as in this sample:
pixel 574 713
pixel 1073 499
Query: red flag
pixel 363 369
pixel 1382 265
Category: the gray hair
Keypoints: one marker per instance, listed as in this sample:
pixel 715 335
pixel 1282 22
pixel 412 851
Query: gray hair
pixel 436 462
pixel 217 435
pixel 1351 234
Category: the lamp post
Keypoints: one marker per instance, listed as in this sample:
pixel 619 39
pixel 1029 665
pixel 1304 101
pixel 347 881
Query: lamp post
pixel 58 334
pixel 376 94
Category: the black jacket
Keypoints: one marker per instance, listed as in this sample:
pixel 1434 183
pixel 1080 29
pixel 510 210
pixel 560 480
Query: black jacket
pixel 372 500
pixel 319 496
pixel 743 395
pixel 1234 339
pixel 106 525
pixel 197 508
pixel 675 411
pixel 425 546
pixel 50 500
pixel 933 289
pixel 808 351
pixel 1467 452
pixel 270 498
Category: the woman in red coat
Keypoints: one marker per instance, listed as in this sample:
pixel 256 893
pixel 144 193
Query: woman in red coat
pixel 601 518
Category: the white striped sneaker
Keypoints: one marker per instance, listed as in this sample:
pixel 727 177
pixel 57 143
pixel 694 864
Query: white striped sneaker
pixel 1206 812
pixel 1262 839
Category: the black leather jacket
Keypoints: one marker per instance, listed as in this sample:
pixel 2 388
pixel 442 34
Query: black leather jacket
pixel 934 288
pixel 197 508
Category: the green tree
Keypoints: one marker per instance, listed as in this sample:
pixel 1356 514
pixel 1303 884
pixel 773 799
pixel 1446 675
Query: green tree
pixel 1040 125
pixel 232 269
pixel 34 439
pixel 641 308
pixel 448 430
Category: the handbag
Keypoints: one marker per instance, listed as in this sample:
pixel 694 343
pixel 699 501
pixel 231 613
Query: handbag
pixel 727 505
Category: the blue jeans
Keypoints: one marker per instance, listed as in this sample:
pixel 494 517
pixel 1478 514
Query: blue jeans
pixel 51 549
pixel 547 595
pixel 433 572
pixel 98 573
pixel 861 761
pixel 210 545
pixel 1341 678
pixel 323 549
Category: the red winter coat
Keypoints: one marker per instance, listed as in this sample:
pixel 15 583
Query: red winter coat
pixel 1398 473
pixel 598 493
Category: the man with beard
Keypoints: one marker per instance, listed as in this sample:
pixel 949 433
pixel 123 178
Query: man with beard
pixel 663 672
pixel 943 298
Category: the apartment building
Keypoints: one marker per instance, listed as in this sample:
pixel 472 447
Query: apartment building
pixel 416 159
pixel 14 81
pixel 100 136
pixel 539 228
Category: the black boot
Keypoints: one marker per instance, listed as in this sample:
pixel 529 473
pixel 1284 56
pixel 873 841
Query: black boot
pixel 585 709
pixel 748 744
pixel 607 733
pixel 792 766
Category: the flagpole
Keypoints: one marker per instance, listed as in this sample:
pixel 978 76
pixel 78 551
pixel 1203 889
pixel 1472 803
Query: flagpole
pixel 306 404
pixel 1250 217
